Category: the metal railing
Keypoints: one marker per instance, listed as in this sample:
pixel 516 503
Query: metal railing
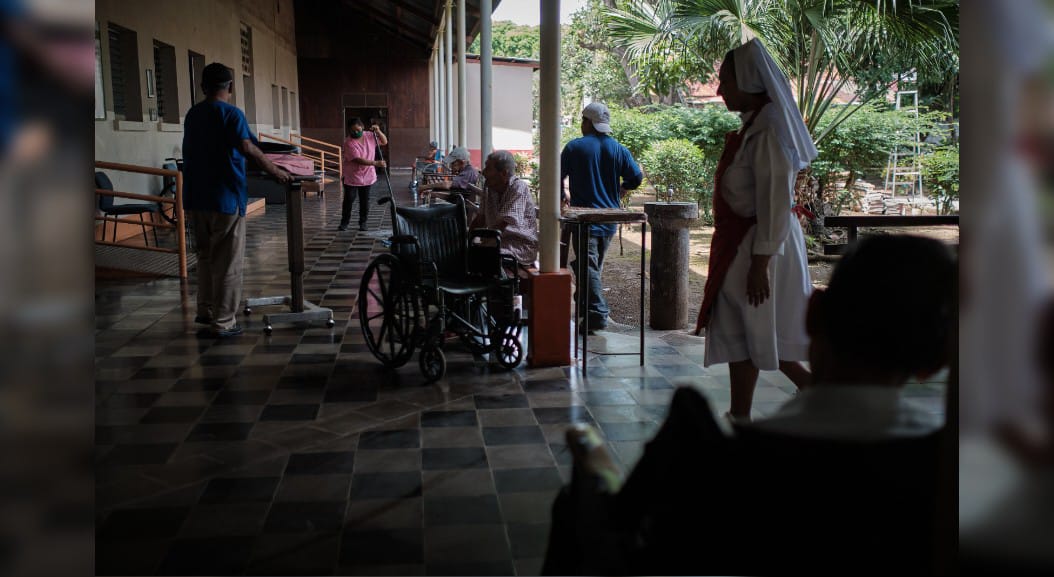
pixel 328 158
pixel 177 210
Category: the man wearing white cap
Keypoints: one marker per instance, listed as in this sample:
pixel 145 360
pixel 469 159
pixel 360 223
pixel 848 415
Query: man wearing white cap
pixel 601 171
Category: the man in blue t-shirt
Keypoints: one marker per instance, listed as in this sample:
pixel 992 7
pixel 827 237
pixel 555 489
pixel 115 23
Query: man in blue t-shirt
pixel 216 140
pixel 601 171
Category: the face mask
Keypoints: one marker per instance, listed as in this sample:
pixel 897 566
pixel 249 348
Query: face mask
pixel 356 133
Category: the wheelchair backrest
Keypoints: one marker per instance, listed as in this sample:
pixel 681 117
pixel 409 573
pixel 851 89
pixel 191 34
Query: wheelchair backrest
pixel 440 230
pixel 483 258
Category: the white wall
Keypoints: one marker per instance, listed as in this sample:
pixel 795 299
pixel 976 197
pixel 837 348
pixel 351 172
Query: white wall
pixel 210 28
pixel 513 106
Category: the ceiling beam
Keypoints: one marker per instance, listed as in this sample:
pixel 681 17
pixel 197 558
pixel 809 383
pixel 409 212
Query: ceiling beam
pixel 384 20
pixel 410 8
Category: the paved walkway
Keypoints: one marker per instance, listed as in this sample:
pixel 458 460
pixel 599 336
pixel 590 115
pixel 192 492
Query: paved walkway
pixel 297 453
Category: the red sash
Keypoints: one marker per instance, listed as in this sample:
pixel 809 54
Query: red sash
pixel 729 231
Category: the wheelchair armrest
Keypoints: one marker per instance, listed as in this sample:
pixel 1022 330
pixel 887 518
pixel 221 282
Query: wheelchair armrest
pixel 508 262
pixel 484 233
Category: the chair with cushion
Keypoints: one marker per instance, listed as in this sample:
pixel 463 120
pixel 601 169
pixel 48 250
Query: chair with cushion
pixel 108 207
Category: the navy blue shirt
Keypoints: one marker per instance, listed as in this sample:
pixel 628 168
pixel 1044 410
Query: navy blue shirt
pixel 213 165
pixel 599 167
pixel 11 13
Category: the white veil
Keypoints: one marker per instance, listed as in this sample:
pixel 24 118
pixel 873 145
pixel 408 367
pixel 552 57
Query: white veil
pixel 756 71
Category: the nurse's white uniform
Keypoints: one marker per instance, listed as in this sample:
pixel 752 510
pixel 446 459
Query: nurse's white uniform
pixel 760 182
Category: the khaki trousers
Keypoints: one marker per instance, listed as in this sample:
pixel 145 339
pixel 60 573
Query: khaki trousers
pixel 220 240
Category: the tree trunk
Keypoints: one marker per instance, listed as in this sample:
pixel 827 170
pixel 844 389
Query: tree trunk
pixel 807 194
pixel 637 99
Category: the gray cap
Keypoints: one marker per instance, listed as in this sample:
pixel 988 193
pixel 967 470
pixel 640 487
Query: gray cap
pixel 598 114
pixel 459 153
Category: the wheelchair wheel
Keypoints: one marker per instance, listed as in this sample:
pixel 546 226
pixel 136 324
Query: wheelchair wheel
pixel 433 363
pixel 388 312
pixel 511 354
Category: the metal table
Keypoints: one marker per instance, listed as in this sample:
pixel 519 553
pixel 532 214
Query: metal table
pixel 581 218
pixel 300 309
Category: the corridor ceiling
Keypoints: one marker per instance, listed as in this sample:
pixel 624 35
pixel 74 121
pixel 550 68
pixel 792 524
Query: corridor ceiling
pixel 416 21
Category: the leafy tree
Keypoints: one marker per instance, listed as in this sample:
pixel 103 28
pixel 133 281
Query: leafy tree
pixel 590 68
pixel 822 45
pixel 512 40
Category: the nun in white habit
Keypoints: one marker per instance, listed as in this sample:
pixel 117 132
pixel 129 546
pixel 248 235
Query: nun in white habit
pixel 758 284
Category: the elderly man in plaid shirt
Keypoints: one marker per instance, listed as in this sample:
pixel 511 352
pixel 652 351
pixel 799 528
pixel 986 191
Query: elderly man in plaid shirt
pixel 509 208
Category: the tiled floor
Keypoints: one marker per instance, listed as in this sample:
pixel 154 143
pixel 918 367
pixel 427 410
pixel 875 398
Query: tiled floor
pixel 296 453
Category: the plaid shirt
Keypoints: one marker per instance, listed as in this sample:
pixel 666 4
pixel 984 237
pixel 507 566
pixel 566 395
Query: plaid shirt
pixel 513 213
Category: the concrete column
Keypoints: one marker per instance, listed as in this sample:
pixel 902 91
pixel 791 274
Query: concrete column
pixel 448 38
pixel 669 262
pixel 549 125
pixel 442 96
pixel 462 81
pixel 486 80
pixel 550 290
pixel 432 78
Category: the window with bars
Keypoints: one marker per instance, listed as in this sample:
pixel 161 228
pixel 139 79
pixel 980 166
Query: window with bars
pixel 246 40
pixel 100 96
pixel 247 49
pixel 197 64
pixel 276 115
pixel 285 108
pixel 294 109
pixel 250 98
pixel 165 82
pixel 124 73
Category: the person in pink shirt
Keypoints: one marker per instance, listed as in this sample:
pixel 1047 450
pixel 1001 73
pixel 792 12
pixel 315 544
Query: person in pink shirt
pixel 360 146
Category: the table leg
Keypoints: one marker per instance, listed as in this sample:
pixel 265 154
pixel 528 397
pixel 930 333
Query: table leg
pixel 583 268
pixel 643 251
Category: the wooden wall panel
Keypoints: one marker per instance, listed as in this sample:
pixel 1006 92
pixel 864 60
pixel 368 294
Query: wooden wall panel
pixel 339 52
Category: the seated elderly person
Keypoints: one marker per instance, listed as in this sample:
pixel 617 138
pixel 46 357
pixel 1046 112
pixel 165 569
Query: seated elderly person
pixel 434 155
pixel 850 458
pixel 465 175
pixel 509 208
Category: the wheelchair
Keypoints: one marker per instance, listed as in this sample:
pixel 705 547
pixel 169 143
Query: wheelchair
pixel 439 278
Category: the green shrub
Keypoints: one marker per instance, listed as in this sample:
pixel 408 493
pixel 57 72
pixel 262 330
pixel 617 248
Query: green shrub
pixel 635 130
pixel 860 146
pixel 680 165
pixel 940 176
pixel 705 127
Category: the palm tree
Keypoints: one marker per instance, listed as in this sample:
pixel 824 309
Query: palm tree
pixel 821 45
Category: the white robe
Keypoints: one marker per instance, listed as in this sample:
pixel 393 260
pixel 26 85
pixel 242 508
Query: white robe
pixel 760 182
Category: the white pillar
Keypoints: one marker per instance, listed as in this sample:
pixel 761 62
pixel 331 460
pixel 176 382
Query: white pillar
pixel 449 39
pixel 462 82
pixel 442 97
pixel 549 125
pixel 486 80
pixel 432 79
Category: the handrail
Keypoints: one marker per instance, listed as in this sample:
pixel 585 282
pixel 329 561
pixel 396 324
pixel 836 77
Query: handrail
pixel 324 164
pixel 291 143
pixel 134 195
pixel 322 142
pixel 177 207
pixel 136 168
